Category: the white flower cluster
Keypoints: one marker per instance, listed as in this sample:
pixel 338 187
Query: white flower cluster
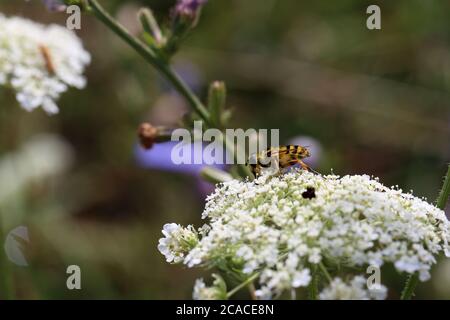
pixel 177 242
pixel 40 62
pixel 42 156
pixel 284 226
pixel 356 289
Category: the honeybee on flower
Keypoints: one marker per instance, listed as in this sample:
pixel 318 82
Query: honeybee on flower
pixel 275 159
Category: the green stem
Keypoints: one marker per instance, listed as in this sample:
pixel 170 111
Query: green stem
pixel 410 285
pixel 293 294
pixel 313 288
pixel 325 272
pixel 162 66
pixel 151 57
pixel 247 282
pixel 413 279
pixel 244 171
pixel 184 90
pixel 444 194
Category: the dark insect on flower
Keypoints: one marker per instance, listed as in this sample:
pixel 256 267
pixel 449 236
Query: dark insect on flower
pixel 279 158
pixel 309 193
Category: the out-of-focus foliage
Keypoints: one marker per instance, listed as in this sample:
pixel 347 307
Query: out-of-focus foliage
pixel 378 102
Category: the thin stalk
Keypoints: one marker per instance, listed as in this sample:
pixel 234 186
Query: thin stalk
pixel 325 272
pixel 151 57
pixel 410 286
pixel 313 288
pixel 242 285
pixel 230 148
pixel 184 90
pixel 411 282
pixel 444 194
pixel 162 66
pixel 293 294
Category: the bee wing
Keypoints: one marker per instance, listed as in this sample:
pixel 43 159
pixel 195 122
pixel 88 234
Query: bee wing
pixel 274 152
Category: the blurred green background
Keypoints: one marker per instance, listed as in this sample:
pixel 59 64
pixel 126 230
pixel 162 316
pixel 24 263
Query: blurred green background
pixel 376 102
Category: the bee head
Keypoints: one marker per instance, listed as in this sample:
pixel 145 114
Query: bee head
pixel 306 152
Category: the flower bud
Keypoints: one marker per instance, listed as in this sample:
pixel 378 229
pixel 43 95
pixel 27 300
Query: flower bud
pixel 188 10
pixel 148 135
pixel 216 102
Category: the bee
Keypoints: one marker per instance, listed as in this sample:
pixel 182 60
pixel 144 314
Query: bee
pixel 47 58
pixel 275 159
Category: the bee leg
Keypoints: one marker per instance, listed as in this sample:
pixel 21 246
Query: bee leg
pixel 290 163
pixel 306 167
pixel 274 166
pixel 253 169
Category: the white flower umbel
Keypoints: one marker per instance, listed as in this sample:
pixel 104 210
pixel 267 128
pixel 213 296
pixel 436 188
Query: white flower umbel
pixel 177 242
pixel 356 289
pixel 40 62
pixel 282 228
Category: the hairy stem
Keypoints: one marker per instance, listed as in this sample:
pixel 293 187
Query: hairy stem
pixel 151 57
pixel 411 282
pixel 163 67
pixel 410 285
pixel 444 194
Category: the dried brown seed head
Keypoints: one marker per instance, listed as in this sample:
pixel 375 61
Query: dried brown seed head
pixel 147 135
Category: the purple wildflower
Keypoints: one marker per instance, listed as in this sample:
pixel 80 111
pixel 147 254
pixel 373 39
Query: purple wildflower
pixel 159 158
pixel 55 5
pixel 189 7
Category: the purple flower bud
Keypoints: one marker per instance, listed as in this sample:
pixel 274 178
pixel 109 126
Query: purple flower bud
pixel 55 5
pixel 189 7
